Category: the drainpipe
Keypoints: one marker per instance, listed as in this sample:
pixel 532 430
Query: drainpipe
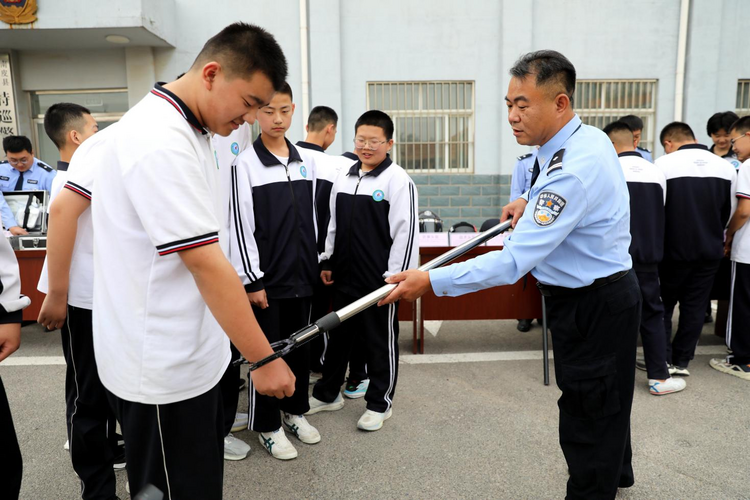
pixel 679 88
pixel 304 37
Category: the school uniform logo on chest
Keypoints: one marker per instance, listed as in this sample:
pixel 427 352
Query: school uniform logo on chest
pixel 548 208
pixel 235 148
pixel 378 195
pixel 303 171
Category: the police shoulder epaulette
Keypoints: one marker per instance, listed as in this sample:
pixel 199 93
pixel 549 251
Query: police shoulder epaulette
pixel 642 149
pixel 4 162
pixel 523 157
pixel 44 166
pixel 556 163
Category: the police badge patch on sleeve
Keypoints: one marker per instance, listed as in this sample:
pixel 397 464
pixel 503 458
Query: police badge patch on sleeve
pixel 548 208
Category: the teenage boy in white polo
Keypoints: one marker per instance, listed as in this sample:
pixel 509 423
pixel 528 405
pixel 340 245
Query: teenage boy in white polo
pixel 163 287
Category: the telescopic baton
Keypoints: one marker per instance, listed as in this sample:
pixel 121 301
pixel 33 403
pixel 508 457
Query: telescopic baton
pixel 335 318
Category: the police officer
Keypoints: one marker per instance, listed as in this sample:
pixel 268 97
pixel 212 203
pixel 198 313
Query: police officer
pixel 520 182
pixel 21 172
pixel 572 233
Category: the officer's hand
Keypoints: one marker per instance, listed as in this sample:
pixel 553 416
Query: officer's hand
pixel 274 379
pixel 53 312
pixel 258 299
pixel 10 339
pixel 18 231
pixel 412 284
pixel 327 277
pixel 514 209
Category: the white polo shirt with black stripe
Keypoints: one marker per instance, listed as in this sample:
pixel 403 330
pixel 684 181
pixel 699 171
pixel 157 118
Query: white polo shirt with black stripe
pixel 741 242
pixel 79 179
pixel 157 192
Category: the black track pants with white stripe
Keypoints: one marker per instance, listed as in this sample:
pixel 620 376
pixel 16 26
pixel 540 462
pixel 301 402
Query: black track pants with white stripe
pixel 177 447
pixel 89 417
pixel 11 464
pixel 738 324
pixel 376 330
pixel 278 321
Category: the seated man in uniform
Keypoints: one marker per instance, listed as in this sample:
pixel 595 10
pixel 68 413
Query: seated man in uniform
pixel 21 172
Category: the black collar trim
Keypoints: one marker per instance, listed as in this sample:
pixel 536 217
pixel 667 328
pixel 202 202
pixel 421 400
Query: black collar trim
pixel 310 145
pixel 354 170
pixel 269 159
pixel 180 106
pixel 350 155
pixel 692 146
pixel 630 153
pixel 62 166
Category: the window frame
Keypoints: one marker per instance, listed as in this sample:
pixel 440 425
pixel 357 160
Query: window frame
pixel 742 103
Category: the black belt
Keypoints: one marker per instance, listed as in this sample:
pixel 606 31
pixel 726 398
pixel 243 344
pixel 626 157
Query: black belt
pixel 559 291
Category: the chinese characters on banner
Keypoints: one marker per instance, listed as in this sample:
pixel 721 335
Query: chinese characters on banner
pixel 8 123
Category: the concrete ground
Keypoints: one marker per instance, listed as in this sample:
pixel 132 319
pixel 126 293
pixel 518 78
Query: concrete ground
pixel 461 428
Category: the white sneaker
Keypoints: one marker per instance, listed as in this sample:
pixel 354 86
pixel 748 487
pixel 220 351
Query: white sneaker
pixel 372 420
pixel 277 444
pixel 724 366
pixel 314 377
pixel 240 422
pixel 66 446
pixel 235 449
pixel 317 405
pixel 667 387
pixel 678 370
pixel 300 427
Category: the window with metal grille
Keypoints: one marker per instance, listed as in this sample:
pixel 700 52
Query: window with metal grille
pixel 743 97
pixel 600 102
pixel 433 122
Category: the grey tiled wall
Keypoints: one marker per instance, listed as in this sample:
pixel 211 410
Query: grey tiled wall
pixel 462 197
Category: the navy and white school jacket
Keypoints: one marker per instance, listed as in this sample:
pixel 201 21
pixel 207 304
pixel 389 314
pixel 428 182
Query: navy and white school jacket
pixel 272 223
pixel 700 201
pixel 374 228
pixel 648 193
pixel 327 168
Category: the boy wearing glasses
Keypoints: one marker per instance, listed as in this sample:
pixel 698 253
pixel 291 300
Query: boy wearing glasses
pixel 373 233
pixel 21 172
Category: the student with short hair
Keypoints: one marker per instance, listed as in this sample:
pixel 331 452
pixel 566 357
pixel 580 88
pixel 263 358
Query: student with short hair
pixel 648 193
pixel 321 133
pixel 164 288
pixel 737 246
pixel 372 235
pixel 718 128
pixel 21 171
pixel 636 125
pixel 700 201
pixel 272 248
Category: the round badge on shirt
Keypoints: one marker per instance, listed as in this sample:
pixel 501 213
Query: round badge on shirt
pixel 235 148
pixel 378 195
pixel 303 171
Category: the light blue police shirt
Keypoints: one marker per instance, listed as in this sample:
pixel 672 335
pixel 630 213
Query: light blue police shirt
pixel 645 153
pixel 575 229
pixel 38 177
pixel 521 179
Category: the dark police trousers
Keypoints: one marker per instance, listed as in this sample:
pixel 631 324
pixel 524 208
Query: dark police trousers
pixel 89 417
pixel 11 464
pixel 279 321
pixel 594 336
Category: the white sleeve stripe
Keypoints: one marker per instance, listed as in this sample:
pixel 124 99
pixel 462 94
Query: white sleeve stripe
pixel 239 227
pixel 410 241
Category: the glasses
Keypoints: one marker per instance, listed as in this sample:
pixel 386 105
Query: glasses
pixel 732 141
pixel 368 143
pixel 22 161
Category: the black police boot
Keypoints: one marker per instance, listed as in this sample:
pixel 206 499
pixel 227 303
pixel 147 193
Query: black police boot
pixel 524 325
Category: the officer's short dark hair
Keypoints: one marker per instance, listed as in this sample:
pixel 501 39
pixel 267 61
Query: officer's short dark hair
pixel 376 118
pixel 320 117
pixel 722 120
pixel 550 69
pixel 676 131
pixel 17 144
pixel 741 126
pixel 634 122
pixel 617 126
pixel 61 118
pixel 244 49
